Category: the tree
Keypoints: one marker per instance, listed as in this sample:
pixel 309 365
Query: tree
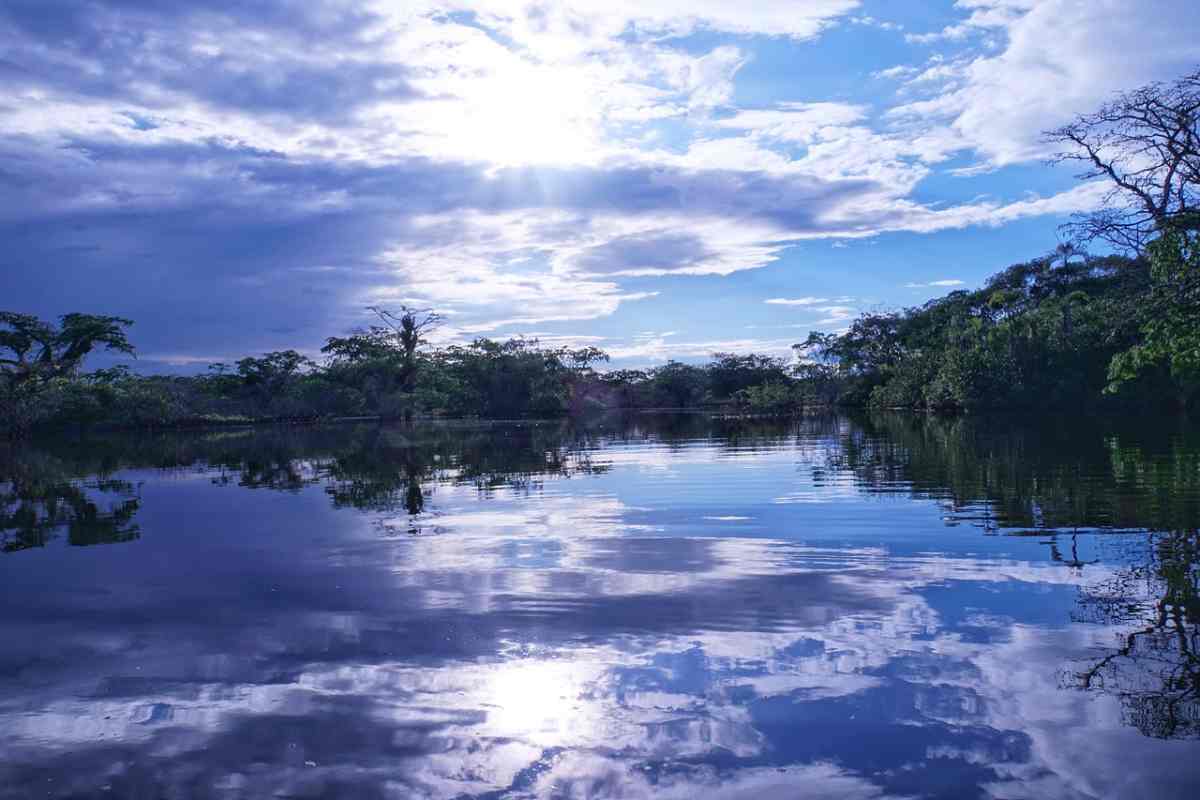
pixel 1146 144
pixel 729 373
pixel 374 344
pixel 38 352
pixel 678 385
pixel 408 331
pixel 1065 251
pixel 581 359
pixel 270 375
pixel 1171 315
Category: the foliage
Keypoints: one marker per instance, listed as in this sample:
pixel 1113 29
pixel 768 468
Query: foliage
pixel 1065 330
pixel 1171 315
pixel 39 360
pixel 1038 334
pixel 39 352
pixel 775 397
pixel 387 370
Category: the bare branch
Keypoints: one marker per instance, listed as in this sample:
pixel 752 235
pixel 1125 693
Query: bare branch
pixel 1146 144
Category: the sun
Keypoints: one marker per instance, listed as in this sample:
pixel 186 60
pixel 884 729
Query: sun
pixel 532 115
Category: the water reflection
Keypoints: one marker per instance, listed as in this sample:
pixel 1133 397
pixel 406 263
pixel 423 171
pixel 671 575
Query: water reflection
pixel 1154 668
pixel 662 608
pixel 40 498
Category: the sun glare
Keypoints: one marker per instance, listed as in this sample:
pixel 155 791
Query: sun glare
pixel 539 701
pixel 529 116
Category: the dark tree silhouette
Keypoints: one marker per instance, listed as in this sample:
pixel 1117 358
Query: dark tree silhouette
pixel 409 330
pixel 33 350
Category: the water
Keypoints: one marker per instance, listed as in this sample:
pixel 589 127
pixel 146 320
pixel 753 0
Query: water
pixel 667 607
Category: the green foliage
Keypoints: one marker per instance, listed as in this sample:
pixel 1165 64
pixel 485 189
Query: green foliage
pixel 775 397
pixel 1170 315
pixel 384 371
pixel 508 379
pixel 1040 334
pixel 730 373
pixel 1052 332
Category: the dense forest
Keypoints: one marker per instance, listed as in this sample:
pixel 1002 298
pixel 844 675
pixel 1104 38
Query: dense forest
pixel 1064 330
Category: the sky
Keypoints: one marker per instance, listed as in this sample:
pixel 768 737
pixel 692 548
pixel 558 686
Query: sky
pixel 658 178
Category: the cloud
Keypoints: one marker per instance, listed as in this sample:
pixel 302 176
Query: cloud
pixel 1058 58
pixel 245 176
pixel 796 301
pixel 836 315
pixel 898 72
pixel 608 18
pixel 795 122
pixel 659 348
pixel 932 284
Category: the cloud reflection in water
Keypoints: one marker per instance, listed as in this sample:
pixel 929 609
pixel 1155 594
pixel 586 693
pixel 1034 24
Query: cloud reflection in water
pixel 586 634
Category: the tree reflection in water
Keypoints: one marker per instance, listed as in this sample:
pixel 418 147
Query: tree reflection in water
pixel 1155 668
pixel 40 498
pixel 1050 480
pixel 1138 487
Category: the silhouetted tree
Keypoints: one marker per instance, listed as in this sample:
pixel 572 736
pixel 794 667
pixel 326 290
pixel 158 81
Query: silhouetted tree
pixel 409 330
pixel 38 351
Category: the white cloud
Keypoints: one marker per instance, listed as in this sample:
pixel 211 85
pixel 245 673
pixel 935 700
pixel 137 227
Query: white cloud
pixel 796 301
pixel 626 151
pixel 898 72
pixel 659 349
pixel 939 283
pixel 1059 58
pixel 836 314
pixel 795 122
pixel 609 18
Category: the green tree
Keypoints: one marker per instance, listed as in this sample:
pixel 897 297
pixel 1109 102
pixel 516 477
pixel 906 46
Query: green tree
pixel 406 332
pixel 1171 326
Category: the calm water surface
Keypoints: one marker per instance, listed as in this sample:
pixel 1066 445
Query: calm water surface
pixel 667 607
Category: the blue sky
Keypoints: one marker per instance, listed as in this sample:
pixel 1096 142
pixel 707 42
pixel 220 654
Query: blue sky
pixel 660 178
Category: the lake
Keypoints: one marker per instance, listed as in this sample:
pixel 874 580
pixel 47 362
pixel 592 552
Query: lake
pixel 663 606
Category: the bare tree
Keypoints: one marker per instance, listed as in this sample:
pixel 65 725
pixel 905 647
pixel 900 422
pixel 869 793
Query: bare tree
pixel 1146 143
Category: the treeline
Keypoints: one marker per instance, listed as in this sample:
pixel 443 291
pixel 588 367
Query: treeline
pixel 1050 333
pixel 387 370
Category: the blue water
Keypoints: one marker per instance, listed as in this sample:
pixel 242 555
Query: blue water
pixel 658 607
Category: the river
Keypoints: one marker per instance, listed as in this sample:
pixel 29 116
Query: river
pixel 662 606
